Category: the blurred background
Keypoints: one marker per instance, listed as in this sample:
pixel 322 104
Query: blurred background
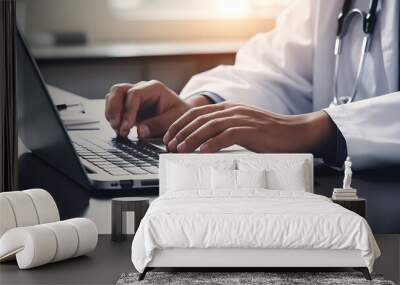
pixel 85 46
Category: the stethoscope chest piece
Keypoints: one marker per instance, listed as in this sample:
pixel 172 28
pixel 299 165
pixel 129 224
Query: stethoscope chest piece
pixel 340 101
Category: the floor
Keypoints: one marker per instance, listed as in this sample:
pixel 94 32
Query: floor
pixel 106 264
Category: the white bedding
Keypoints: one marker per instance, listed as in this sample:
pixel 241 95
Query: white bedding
pixel 250 219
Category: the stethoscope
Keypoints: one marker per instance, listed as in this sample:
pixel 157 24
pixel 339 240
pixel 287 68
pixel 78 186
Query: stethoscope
pixel 368 24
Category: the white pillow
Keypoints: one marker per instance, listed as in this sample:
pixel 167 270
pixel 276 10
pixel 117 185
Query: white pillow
pixel 186 175
pixel 183 177
pixel 223 179
pixel 281 174
pixel 251 178
pixel 231 180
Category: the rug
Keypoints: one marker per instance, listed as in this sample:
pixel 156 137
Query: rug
pixel 244 278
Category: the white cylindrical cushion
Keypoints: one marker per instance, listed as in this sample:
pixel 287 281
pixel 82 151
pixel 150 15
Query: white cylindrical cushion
pixel 45 205
pixel 23 208
pixel 87 235
pixel 67 240
pixel 37 245
pixel 33 246
pixel 7 218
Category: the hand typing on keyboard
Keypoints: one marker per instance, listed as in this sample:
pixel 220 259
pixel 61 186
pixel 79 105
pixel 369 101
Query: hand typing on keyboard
pixel 150 105
pixel 187 126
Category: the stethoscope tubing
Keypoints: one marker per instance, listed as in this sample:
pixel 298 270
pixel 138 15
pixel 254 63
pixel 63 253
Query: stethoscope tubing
pixel 344 21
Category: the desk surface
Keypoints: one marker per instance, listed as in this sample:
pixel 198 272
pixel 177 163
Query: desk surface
pixel 103 266
pixel 133 50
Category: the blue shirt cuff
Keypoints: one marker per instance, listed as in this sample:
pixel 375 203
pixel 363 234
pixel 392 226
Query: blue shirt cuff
pixel 213 97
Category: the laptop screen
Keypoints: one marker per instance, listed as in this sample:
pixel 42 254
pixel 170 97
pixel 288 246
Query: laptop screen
pixel 39 125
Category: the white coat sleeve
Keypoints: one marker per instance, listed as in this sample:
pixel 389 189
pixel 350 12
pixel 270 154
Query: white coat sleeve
pixel 371 128
pixel 273 70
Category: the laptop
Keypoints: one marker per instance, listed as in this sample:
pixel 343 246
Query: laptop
pixel 93 160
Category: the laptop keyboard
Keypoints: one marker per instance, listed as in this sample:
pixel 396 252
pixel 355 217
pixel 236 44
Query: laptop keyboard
pixel 119 156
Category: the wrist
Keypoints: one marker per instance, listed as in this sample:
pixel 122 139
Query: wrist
pixel 197 101
pixel 320 132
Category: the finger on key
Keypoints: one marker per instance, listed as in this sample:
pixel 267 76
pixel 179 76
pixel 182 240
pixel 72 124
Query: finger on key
pixel 138 96
pixel 115 104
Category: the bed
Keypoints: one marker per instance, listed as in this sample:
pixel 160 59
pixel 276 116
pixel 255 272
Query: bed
pixel 247 211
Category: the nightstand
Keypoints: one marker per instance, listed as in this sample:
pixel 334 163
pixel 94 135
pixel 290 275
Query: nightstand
pixel 119 207
pixel 358 206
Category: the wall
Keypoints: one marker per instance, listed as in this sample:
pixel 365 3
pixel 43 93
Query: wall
pixel 389 263
pixel 92 78
pixel 96 18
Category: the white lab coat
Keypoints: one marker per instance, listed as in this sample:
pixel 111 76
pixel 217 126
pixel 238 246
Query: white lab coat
pixel 290 71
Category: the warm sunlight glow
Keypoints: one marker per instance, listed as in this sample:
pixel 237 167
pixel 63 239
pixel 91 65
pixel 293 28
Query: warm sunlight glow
pixel 232 8
pixel 197 9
